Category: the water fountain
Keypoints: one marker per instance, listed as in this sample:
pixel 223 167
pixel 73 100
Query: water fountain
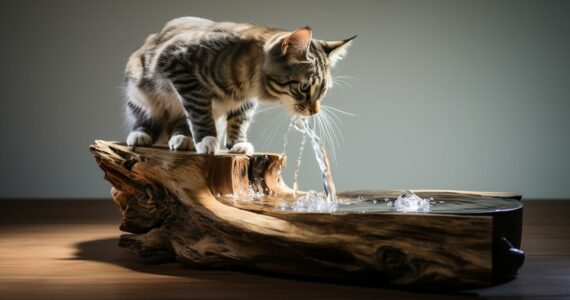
pixel 232 210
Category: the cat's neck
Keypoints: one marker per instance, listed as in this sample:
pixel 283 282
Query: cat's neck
pixel 272 38
pixel 269 39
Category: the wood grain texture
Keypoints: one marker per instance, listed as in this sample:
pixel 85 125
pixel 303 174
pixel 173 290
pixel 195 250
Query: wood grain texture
pixel 168 204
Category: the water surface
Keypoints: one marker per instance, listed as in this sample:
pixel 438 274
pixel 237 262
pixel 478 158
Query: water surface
pixel 374 202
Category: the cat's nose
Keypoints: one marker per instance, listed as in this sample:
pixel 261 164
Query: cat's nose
pixel 314 107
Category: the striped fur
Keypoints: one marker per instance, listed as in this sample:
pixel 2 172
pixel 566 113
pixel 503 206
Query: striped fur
pixel 195 71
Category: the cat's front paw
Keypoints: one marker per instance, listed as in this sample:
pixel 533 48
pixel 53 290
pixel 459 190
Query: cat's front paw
pixel 243 148
pixel 181 142
pixel 139 138
pixel 208 145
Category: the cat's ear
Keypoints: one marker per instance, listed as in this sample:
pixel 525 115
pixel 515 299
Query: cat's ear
pixel 298 42
pixel 336 50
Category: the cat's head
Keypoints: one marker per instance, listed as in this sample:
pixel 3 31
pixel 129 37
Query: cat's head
pixel 298 70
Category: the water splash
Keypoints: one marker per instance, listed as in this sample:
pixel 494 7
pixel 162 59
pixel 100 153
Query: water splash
pixel 312 201
pixel 408 201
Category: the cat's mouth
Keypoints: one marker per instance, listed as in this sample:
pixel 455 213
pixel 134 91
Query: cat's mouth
pixel 306 110
pixel 302 111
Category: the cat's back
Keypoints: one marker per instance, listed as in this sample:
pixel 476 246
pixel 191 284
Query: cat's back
pixel 183 26
pixel 188 31
pixel 197 30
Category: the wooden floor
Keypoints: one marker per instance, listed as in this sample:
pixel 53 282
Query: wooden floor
pixel 64 249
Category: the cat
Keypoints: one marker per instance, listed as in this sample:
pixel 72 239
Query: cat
pixel 197 71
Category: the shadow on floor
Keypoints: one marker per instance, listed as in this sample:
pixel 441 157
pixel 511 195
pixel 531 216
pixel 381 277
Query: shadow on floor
pixel 107 251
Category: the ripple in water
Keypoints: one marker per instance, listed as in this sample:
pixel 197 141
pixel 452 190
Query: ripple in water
pixel 372 202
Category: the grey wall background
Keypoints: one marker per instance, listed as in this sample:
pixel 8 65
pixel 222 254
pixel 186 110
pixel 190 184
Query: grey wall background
pixel 447 94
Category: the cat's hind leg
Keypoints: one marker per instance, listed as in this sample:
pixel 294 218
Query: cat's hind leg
pixel 145 126
pixel 144 131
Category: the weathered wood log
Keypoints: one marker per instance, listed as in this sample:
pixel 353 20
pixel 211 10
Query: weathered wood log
pixel 168 203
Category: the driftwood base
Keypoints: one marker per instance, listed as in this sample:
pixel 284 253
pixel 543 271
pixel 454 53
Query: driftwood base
pixel 167 203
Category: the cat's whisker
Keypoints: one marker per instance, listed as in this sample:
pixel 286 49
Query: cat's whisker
pixel 335 126
pixel 273 129
pixel 340 83
pixel 335 120
pixel 334 129
pixel 329 139
pixel 344 76
pixel 327 134
pixel 266 109
pixel 266 129
pixel 342 80
pixel 329 122
pixel 334 115
pixel 338 110
pixel 334 141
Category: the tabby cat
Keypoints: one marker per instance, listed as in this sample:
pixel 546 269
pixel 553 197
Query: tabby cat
pixel 196 72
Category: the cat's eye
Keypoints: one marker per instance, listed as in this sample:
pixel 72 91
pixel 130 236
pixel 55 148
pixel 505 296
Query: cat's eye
pixel 304 87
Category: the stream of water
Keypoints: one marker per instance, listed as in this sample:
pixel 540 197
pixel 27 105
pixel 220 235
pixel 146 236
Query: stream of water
pixel 302 125
pixel 298 166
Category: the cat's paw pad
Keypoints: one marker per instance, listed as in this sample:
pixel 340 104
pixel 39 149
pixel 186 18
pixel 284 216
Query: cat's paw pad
pixel 208 145
pixel 181 142
pixel 243 148
pixel 139 138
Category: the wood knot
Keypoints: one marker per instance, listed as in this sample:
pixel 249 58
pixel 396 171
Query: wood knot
pixel 392 260
pixel 129 163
